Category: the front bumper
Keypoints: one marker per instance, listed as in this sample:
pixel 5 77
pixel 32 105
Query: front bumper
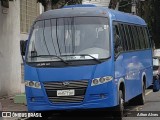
pixel 94 104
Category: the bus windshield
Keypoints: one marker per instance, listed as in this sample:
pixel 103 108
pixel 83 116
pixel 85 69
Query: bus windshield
pixel 74 38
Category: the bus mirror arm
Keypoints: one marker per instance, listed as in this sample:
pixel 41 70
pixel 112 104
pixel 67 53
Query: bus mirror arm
pixel 116 54
pixel 23 44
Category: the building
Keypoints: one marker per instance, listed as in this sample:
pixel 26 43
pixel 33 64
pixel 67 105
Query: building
pixel 104 3
pixel 16 18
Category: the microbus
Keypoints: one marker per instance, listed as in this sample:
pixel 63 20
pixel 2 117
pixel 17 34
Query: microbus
pixel 86 57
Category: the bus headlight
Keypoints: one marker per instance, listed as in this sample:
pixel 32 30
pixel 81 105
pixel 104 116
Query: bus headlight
pixel 37 85
pixel 95 81
pixel 33 84
pixel 102 80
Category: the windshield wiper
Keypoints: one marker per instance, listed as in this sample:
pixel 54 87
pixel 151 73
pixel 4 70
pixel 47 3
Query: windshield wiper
pixel 91 57
pixel 85 55
pixel 50 56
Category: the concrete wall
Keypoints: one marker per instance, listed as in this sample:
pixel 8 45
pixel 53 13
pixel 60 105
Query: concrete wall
pixel 10 59
pixel 104 3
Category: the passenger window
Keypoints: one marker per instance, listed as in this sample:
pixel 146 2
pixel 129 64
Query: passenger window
pixel 131 37
pixel 128 37
pixel 146 38
pixel 124 42
pixel 143 37
pixel 136 38
pixel 117 40
pixel 141 40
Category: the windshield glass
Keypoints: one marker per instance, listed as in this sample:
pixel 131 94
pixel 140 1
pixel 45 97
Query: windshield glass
pixel 70 39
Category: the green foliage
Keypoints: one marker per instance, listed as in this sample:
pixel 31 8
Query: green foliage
pixel 72 2
pixel 125 6
pixel 57 3
pixel 113 4
pixel 148 10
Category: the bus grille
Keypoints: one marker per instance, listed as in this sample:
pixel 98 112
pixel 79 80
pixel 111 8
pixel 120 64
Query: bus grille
pixel 78 86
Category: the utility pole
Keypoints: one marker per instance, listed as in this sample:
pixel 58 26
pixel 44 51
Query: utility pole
pixel 133 7
pixel 117 6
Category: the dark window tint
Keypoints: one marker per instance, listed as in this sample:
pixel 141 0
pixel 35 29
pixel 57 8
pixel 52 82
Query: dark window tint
pixel 141 40
pixel 131 37
pixel 128 38
pixel 124 41
pixel 118 47
pixel 143 37
pixel 146 38
pixel 136 38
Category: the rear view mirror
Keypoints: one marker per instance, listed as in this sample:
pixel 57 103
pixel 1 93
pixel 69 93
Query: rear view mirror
pixel 23 45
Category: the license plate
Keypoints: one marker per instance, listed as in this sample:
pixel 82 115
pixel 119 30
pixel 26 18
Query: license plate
pixel 65 92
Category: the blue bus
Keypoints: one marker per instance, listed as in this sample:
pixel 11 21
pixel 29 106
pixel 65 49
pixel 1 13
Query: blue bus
pixel 90 57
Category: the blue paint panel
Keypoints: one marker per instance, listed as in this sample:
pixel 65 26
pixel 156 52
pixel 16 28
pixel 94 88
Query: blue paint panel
pixel 92 95
pixel 30 73
pixel 131 66
pixel 68 73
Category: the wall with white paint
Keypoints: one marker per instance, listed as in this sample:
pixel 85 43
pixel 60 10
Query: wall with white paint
pixel 104 3
pixel 10 59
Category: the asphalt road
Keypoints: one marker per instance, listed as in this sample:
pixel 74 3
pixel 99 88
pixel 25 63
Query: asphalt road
pixel 152 105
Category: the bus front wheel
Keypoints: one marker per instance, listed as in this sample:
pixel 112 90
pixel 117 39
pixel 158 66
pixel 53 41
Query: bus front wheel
pixel 120 109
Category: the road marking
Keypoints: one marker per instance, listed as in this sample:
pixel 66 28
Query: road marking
pixel 138 108
pixel 148 92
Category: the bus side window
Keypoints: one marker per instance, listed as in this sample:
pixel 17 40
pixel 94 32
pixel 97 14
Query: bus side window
pixel 124 41
pixel 117 40
pixel 135 34
pixel 131 37
pixel 146 37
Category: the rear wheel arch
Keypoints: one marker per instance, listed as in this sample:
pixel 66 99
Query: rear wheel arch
pixel 144 79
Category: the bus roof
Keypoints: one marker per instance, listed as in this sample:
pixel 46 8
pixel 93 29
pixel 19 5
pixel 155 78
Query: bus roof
pixel 76 11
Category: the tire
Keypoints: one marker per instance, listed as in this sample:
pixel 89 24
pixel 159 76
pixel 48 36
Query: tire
pixel 120 109
pixel 141 97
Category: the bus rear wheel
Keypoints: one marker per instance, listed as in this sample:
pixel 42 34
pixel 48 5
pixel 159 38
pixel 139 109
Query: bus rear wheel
pixel 141 97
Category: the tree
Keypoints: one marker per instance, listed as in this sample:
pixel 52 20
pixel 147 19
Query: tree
pixel 148 10
pixel 121 5
pixel 113 4
pixel 55 4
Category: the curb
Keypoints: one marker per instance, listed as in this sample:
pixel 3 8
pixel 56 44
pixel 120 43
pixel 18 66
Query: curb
pixel 20 99
pixel 0 107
